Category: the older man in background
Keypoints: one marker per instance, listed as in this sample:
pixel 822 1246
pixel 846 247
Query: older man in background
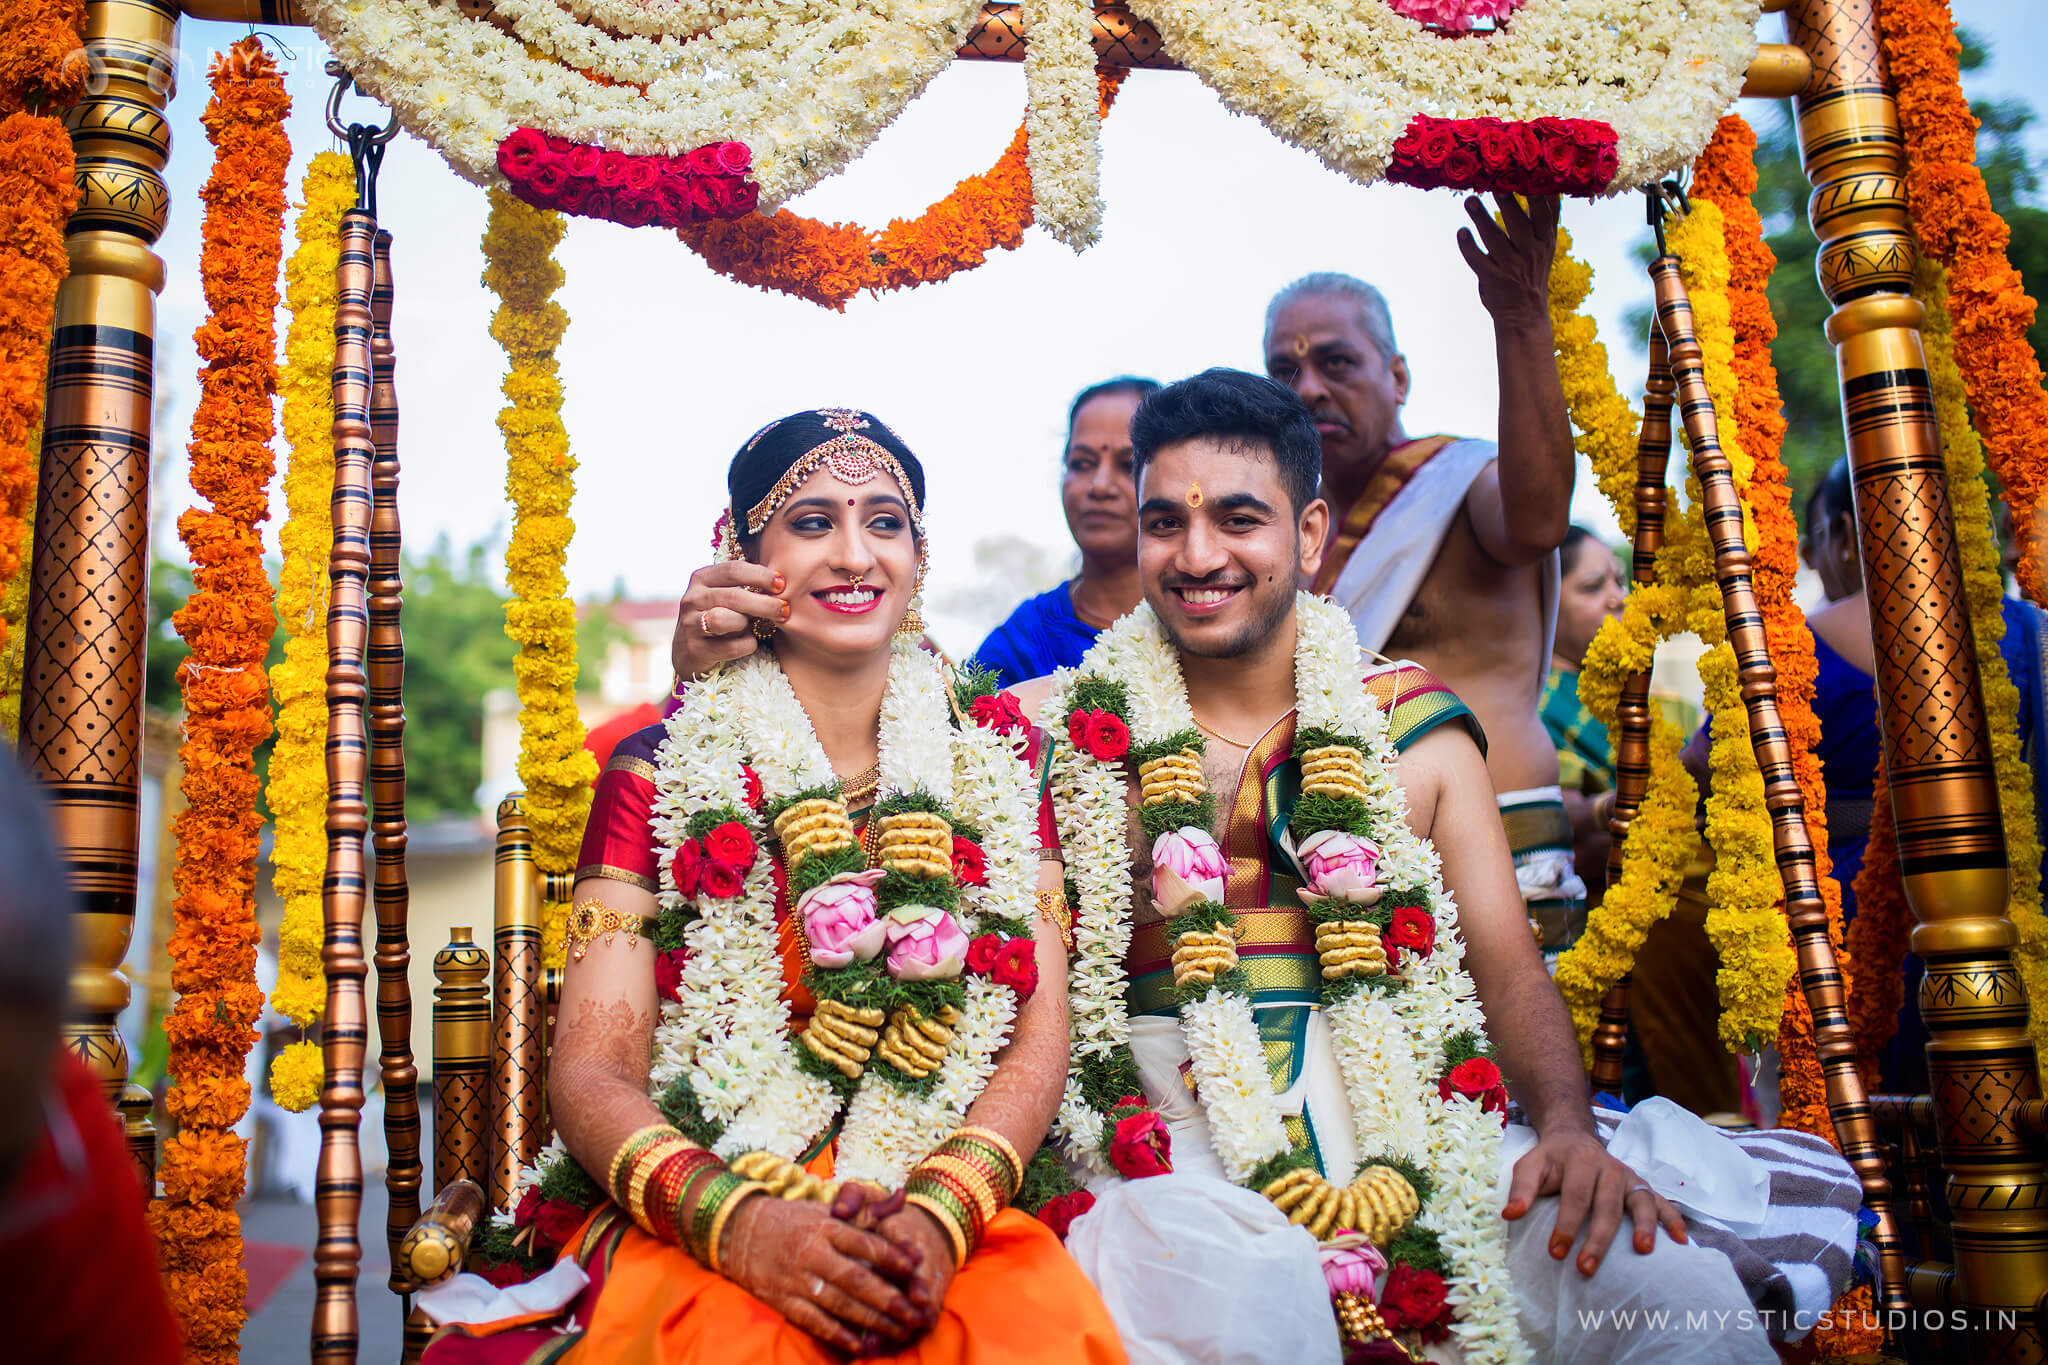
pixel 1445 548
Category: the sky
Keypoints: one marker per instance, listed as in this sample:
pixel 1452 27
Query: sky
pixel 667 366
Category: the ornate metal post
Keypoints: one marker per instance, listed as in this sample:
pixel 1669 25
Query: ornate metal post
pixel 1944 793
pixel 462 1061
pixel 81 703
pixel 516 1092
pixel 1632 713
pixel 338 1189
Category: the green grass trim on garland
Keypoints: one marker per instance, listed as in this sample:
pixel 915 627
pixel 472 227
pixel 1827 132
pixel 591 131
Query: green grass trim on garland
pixel 704 821
pixel 868 985
pixel 1159 748
pixel 811 1064
pixel 494 1245
pixel 972 681
pixel 566 1179
pixel 1336 912
pixel 1417 1248
pixel 1316 737
pixel 1462 1047
pixel 1315 812
pixel 1045 1179
pixel 919 800
pixel 1092 693
pixel 905 888
pixel 903 1080
pixel 771 810
pixel 1004 925
pixel 1172 815
pixel 1342 989
pixel 1421 1181
pixel 1106 1077
pixel 669 926
pixel 1405 898
pixel 1273 1167
pixel 1203 917
pixel 819 868
pixel 1236 981
pixel 678 1104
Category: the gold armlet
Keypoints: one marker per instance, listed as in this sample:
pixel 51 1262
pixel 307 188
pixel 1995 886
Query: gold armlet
pixel 592 919
pixel 1053 905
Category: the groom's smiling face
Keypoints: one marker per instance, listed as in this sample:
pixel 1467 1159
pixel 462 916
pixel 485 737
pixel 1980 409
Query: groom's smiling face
pixel 1220 547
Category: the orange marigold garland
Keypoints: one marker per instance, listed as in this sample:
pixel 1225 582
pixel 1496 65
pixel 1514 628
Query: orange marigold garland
pixel 41 67
pixel 1879 937
pixel 1956 224
pixel 227 621
pixel 829 263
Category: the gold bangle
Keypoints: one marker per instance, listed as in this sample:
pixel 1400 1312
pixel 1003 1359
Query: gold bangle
pixel 1053 905
pixel 718 1219
pixel 1000 1143
pixel 945 1218
pixel 644 1166
pixel 593 919
pixel 634 1140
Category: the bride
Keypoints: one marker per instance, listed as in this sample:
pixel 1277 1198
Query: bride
pixel 814 1018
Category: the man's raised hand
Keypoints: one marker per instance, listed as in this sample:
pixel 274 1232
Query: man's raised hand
pixel 1512 257
pixel 715 622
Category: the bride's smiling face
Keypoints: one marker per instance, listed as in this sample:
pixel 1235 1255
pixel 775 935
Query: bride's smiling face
pixel 849 557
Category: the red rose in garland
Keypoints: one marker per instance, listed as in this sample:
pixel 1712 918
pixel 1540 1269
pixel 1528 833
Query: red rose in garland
pixel 730 844
pixel 1413 929
pixel 1017 967
pixel 999 713
pixel 1059 1214
pixel 1476 1079
pixel 686 865
pixel 970 864
pixel 668 974
pixel 720 880
pixel 555 1223
pixel 1109 739
pixel 1414 1301
pixel 983 952
pixel 1077 728
pixel 1141 1145
pixel 753 780
pixel 529 1205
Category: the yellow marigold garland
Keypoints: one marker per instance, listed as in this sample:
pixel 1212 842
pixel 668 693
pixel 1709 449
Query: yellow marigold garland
pixel 1984 589
pixel 1661 840
pixel 227 622
pixel 1606 423
pixel 1743 891
pixel 554 767
pixel 297 795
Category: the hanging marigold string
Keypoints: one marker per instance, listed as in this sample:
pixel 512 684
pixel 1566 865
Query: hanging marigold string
pixel 1606 423
pixel 1954 220
pixel 554 767
pixel 1880 936
pixel 41 69
pixel 830 263
pixel 227 622
pixel 1984 590
pixel 297 794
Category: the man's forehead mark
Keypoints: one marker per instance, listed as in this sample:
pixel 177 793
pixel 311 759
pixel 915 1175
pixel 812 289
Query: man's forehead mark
pixel 1194 494
pixel 1301 343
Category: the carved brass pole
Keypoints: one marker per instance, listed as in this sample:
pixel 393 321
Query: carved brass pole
pixel 1632 713
pixel 88 604
pixel 462 1061
pixel 1937 752
pixel 338 1191
pixel 399 1075
pixel 1819 976
pixel 516 1090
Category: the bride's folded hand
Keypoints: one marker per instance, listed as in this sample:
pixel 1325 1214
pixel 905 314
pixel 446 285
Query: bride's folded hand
pixel 714 621
pixel 826 1276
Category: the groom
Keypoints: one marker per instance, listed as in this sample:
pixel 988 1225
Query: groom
pixel 1227 465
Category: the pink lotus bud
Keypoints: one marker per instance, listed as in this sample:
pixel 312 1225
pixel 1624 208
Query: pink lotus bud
pixel 925 944
pixel 1351 1265
pixel 1187 867
pixel 1340 867
pixel 839 919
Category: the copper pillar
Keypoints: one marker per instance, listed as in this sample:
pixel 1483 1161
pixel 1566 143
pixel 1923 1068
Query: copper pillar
pixel 338 1190
pixel 1944 793
pixel 1632 712
pixel 516 1089
pixel 462 1061
pixel 400 1077
pixel 81 695
pixel 1819 976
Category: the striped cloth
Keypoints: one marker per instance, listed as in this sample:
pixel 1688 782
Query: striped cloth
pixel 1802 1258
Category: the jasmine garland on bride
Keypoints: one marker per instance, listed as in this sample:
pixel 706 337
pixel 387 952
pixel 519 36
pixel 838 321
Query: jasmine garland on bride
pixel 1304 988
pixel 815 1012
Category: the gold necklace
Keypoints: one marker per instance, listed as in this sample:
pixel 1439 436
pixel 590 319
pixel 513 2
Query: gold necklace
pixel 1234 743
pixel 859 788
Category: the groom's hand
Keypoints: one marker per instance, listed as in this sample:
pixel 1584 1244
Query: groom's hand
pixel 1593 1191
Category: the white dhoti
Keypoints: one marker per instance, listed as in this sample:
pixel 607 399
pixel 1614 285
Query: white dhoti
pixel 1197 1271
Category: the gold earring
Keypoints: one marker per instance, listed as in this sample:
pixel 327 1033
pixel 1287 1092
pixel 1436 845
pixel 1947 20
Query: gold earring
pixel 913 620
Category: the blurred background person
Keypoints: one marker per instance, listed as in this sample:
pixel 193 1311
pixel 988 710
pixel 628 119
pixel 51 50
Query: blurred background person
pixel 1591 589
pixel 1054 629
pixel 77 1260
